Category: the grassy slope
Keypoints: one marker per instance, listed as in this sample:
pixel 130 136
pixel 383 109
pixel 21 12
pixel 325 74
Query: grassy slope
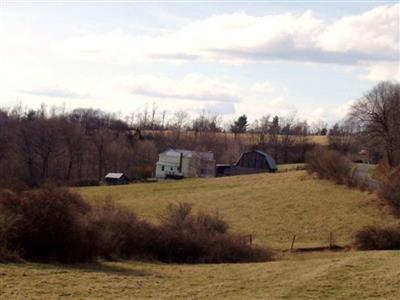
pixel 273 207
pixel 352 275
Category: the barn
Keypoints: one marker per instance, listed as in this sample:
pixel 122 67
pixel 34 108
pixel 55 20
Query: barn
pixel 116 178
pixel 254 161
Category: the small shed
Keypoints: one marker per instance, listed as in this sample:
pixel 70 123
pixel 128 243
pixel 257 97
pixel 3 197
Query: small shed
pixel 116 178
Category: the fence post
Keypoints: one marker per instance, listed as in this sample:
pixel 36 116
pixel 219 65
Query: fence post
pixel 291 247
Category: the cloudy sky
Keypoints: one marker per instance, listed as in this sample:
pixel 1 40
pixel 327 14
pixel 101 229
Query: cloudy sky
pixel 229 58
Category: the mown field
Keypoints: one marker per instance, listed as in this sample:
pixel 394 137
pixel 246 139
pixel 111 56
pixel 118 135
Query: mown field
pixel 247 138
pixel 349 275
pixel 273 207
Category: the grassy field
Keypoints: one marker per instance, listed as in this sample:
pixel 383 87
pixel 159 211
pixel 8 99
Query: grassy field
pixel 271 206
pixel 291 167
pixel 247 138
pixel 350 275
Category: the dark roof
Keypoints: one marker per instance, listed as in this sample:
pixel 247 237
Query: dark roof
pixel 189 153
pixel 270 161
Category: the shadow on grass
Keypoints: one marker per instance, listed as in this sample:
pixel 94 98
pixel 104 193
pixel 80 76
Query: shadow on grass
pixel 112 268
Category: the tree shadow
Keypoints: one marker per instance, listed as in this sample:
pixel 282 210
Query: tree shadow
pixel 113 268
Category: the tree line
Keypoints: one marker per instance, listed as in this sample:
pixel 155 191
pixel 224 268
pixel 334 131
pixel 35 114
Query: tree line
pixel 82 145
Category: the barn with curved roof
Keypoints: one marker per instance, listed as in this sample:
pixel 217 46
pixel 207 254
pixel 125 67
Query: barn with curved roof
pixel 253 161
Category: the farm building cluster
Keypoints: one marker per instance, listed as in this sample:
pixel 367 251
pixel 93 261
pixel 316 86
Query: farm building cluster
pixel 179 163
pixel 176 163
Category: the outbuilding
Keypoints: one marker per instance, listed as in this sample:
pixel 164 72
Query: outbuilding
pixel 116 178
pixel 179 163
pixel 253 161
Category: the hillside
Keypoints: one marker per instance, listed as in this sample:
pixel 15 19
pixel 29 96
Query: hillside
pixel 272 207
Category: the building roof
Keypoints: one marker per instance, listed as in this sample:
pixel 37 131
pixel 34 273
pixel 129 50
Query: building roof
pixel 189 153
pixel 270 161
pixel 170 164
pixel 115 175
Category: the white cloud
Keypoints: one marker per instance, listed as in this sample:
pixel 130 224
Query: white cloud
pixel 56 91
pixel 239 37
pixel 278 102
pixel 262 87
pixel 375 32
pixel 382 71
pixel 327 114
pixel 368 42
pixel 193 86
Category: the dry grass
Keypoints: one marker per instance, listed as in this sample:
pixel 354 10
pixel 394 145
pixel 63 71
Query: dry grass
pixel 291 167
pixel 273 207
pixel 247 138
pixel 352 275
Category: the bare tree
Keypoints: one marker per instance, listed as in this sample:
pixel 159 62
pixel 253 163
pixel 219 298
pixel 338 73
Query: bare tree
pixel 274 131
pixel 342 136
pixel 180 119
pixel 153 115
pixel 163 116
pixel 378 113
pixel 287 137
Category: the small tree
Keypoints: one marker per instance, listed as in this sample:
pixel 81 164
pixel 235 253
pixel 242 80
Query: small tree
pixel 240 125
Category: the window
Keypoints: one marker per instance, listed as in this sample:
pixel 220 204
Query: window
pixel 162 168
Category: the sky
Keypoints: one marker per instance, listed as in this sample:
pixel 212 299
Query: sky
pixel 312 58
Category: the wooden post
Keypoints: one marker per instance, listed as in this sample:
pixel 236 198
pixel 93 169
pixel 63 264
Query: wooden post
pixel 251 239
pixel 291 247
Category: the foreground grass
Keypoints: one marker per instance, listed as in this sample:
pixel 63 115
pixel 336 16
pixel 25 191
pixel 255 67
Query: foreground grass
pixel 348 275
pixel 272 207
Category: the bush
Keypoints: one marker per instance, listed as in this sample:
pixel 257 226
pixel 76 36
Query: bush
pixel 330 164
pixel 378 238
pixel 57 225
pixel 46 225
pixel 8 223
pixel 202 238
pixel 389 190
pixel 119 232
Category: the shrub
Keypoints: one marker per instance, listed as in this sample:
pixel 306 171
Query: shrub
pixel 330 164
pixel 120 234
pixel 8 222
pixel 47 224
pixel 57 225
pixel 378 238
pixel 389 190
pixel 202 238
pixel 180 217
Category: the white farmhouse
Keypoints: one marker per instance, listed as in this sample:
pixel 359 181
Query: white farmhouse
pixel 177 163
